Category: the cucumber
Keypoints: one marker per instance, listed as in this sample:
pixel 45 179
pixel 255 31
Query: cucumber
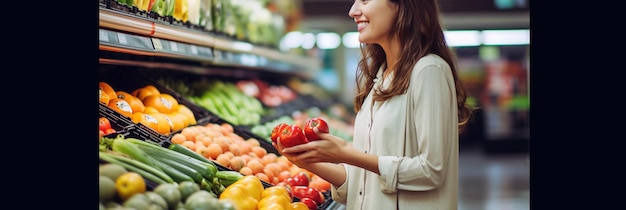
pixel 144 170
pixel 176 175
pixel 206 169
pixel 182 149
pixel 227 178
pixel 194 174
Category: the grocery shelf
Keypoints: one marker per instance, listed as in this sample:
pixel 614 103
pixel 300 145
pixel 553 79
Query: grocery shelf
pixel 127 33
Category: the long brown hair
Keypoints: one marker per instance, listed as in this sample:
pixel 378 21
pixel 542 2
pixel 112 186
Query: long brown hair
pixel 420 32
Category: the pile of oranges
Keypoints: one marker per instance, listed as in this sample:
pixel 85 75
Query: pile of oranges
pixel 148 106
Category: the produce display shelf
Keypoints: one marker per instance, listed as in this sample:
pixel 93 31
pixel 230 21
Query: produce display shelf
pixel 224 49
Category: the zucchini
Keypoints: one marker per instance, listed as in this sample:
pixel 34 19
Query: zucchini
pixel 176 175
pixel 132 150
pixel 182 149
pixel 194 174
pixel 207 170
pixel 227 178
pixel 144 170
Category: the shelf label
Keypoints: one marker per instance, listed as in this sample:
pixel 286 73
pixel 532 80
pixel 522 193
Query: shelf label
pixel 157 44
pixel 104 36
pixel 122 38
pixel 204 51
pixel 194 49
pixel 174 46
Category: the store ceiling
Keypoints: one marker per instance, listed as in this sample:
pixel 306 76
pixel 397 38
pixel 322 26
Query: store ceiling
pixel 458 14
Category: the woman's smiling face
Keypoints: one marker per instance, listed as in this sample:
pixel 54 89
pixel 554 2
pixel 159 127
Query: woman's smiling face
pixel 374 19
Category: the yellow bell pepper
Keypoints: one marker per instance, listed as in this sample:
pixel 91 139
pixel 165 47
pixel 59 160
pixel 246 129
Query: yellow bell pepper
pixel 239 197
pixel 253 184
pixel 274 201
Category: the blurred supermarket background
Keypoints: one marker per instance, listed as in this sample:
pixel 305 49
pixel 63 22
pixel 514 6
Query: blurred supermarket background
pixel 490 37
pixel 492 42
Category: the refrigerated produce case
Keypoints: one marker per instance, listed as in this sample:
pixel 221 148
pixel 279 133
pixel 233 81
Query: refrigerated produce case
pixel 139 42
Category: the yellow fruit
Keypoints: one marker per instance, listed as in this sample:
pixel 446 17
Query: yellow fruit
pixel 299 206
pixel 129 184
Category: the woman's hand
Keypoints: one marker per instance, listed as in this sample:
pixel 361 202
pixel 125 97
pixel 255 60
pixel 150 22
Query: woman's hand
pixel 329 148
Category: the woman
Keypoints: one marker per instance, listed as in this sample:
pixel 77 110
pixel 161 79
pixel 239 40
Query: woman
pixel 410 109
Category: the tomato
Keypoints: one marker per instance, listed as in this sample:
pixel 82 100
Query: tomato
pixel 309 203
pixel 301 179
pixel 291 136
pixel 276 131
pixel 315 122
pixel 303 192
pixel 104 123
pixel 109 131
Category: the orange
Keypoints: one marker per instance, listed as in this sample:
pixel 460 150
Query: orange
pixel 129 184
pixel 135 104
pixel 121 106
pixel 183 109
pixel 164 103
pixel 137 118
pixel 177 122
pixel 163 124
pixel 107 89
pixel 157 122
pixel 150 110
pixel 147 90
pixel 169 101
pixel 103 97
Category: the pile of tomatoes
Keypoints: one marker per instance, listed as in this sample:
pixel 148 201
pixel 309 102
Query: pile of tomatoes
pixel 104 126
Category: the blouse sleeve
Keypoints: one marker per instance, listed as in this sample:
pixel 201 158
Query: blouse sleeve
pixel 429 132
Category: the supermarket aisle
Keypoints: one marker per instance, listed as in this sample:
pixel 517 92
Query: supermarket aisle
pixel 493 181
pixel 490 181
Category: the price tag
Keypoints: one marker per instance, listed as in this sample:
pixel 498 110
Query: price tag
pixel 194 49
pixel 122 38
pixel 174 46
pixel 204 51
pixel 218 54
pixel 104 36
pixel 157 44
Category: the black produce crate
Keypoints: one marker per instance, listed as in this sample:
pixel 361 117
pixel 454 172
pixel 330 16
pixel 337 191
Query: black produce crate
pixel 118 122
pixel 115 5
pixel 130 129
pixel 241 131
pixel 129 80
pixel 103 3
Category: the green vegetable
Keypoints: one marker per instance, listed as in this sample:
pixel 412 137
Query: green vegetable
pixel 147 172
pixel 159 7
pixel 206 169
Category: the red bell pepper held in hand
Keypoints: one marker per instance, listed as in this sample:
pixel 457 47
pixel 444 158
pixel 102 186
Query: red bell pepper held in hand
pixel 291 136
pixel 318 123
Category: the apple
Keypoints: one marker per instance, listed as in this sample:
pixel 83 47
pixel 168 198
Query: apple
pixel 315 122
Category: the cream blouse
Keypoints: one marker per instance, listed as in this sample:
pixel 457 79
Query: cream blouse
pixel 416 138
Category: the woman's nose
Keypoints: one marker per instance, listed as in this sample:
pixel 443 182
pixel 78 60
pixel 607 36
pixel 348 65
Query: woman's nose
pixel 354 10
